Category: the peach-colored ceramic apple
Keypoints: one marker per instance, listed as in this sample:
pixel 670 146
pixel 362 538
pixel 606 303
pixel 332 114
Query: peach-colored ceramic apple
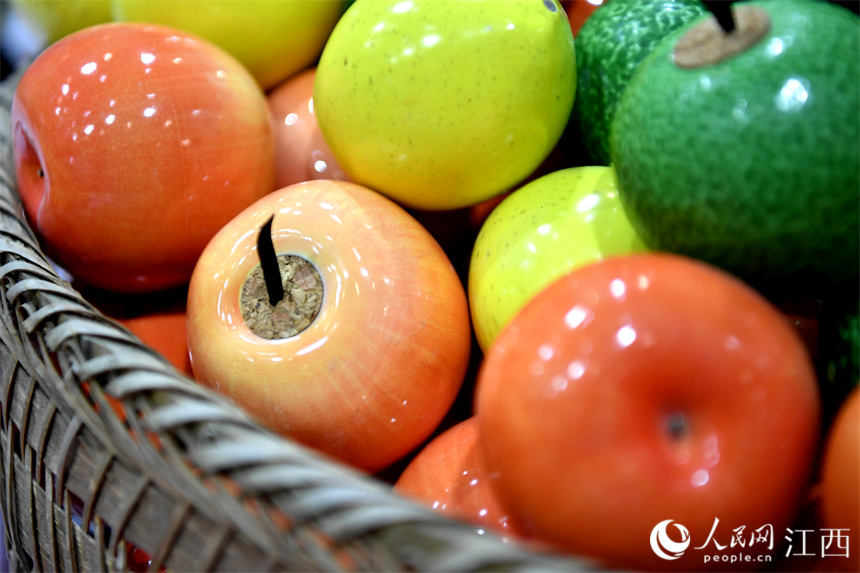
pixel 133 145
pixel 450 475
pixel 366 350
pixel 301 152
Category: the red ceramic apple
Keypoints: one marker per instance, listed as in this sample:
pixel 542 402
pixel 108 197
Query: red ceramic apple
pixel 578 12
pixel 157 319
pixel 647 388
pixel 366 351
pixel 164 332
pixel 450 476
pixel 133 145
pixel 301 152
pixel 840 481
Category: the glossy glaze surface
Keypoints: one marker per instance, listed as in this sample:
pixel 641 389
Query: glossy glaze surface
pixel 840 476
pixel 134 144
pixel 554 224
pixel 301 152
pixel 443 104
pixel 450 476
pixel 609 50
pixel 273 39
pixel 643 388
pixel 578 11
pixel 752 164
pixel 377 370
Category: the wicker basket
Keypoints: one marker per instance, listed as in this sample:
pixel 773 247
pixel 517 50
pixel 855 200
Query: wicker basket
pixel 185 476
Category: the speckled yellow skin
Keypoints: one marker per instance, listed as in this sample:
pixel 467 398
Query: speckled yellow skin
pixel 540 232
pixel 274 39
pixel 441 104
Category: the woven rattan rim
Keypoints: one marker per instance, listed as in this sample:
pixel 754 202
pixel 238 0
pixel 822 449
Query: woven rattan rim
pixel 186 476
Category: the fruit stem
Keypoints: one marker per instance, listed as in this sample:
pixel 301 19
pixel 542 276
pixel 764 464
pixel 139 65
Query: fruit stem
pixel 269 263
pixel 722 11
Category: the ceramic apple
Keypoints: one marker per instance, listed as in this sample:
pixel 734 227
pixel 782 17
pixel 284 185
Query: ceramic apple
pixel 157 319
pixel 646 388
pixel 55 19
pixel 364 355
pixel 441 104
pixel 450 475
pixel 301 152
pixel 556 223
pixel 273 39
pixel 578 12
pixel 133 145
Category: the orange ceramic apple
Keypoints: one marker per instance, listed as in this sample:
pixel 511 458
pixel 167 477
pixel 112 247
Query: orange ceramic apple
pixel 450 475
pixel 164 331
pixel 133 145
pixel 368 347
pixel 301 152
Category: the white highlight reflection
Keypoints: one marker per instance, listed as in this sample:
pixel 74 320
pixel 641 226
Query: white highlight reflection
pixel 575 316
pixel 699 478
pixel 792 96
pixel 402 7
pixel 625 336
pixel 617 288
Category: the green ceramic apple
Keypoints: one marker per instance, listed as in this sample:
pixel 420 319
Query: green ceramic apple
pixel 55 19
pixel 441 104
pixel 274 39
pixel 742 149
pixel 543 230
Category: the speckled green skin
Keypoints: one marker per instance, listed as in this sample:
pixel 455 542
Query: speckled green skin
pixel 841 351
pixel 838 358
pixel 441 104
pixel 609 48
pixel 752 164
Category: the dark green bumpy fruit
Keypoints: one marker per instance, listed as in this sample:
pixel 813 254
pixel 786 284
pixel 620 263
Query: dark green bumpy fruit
pixel 751 162
pixel 612 43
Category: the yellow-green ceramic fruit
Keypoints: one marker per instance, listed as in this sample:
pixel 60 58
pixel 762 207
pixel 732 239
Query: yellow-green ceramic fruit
pixel 543 230
pixel 274 39
pixel 441 104
pixel 57 19
pixel 746 154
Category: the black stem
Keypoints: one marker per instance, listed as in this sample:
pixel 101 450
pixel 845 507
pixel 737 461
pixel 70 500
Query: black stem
pixel 722 11
pixel 269 263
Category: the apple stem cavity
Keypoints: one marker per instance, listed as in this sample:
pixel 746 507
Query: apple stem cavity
pixel 676 425
pixel 297 309
pixel 269 263
pixel 731 31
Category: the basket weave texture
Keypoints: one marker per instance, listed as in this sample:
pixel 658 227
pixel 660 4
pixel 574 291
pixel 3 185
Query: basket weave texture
pixel 182 473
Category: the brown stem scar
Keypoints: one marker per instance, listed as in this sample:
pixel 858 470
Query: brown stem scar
pixel 707 43
pixel 297 309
